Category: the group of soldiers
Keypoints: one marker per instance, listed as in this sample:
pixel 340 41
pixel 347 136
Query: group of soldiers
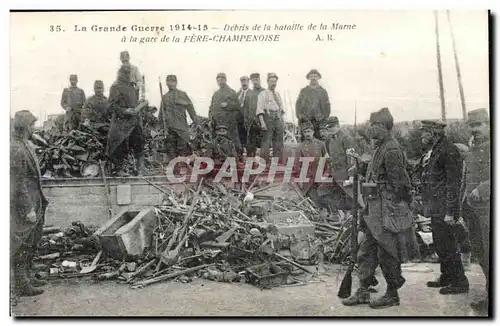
pixel 453 186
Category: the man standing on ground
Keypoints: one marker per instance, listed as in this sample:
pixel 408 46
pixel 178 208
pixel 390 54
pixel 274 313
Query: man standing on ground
pixel 388 220
pixel 270 113
pixel 225 108
pixel 442 167
pixel 243 99
pixel 254 134
pixel 476 208
pixel 135 75
pixel 96 106
pixel 72 101
pixel 313 103
pixel 126 124
pixel 27 206
pixel 175 104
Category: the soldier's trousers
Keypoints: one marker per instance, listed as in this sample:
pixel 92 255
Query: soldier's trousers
pixel 254 139
pixel 72 119
pixel 370 255
pixel 272 136
pixel 446 248
pixel 134 142
pixel 478 221
pixel 175 146
pixel 23 248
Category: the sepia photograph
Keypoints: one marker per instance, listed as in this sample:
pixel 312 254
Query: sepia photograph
pixel 246 163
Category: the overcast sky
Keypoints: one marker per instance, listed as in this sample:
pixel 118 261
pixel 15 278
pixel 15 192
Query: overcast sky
pixel 388 60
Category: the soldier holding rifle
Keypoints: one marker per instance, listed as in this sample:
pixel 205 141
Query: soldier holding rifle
pixel 387 220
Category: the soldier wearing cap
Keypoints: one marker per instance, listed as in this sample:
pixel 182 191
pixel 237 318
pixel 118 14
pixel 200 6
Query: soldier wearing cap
pixel 125 132
pixel 222 146
pixel 270 113
pixel 96 106
pixel 225 109
pixel 313 102
pixel 135 75
pixel 72 101
pixel 388 220
pixel 175 105
pixel 27 206
pixel 477 204
pixel 243 99
pixel 441 174
pixel 323 131
pixel 254 134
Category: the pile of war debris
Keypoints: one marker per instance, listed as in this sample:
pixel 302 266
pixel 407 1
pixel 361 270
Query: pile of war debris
pixel 209 231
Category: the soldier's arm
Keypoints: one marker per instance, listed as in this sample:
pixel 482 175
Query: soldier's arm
pixel 211 108
pixel 19 196
pixel 83 97
pixel 233 101
pixel 299 105
pixel 327 106
pixel 190 108
pixel 114 102
pixel 396 173
pixel 64 99
pixel 453 169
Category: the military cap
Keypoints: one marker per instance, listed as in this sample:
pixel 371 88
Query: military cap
pixel 332 121
pixel 383 116
pixel 323 124
pixel 23 119
pixel 313 71
pixel 272 75
pixel 477 116
pixel 306 125
pixel 254 75
pixel 432 125
pixel 221 75
pixel 73 76
pixel 220 126
pixel 124 53
pixel 98 83
pixel 242 78
pixel 172 78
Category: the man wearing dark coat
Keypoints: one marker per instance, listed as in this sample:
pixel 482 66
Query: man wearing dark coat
pixel 388 220
pixel 313 103
pixel 243 100
pixel 126 124
pixel 72 101
pixel 27 206
pixel 477 203
pixel 95 108
pixel 225 108
pixel 175 104
pixel 252 124
pixel 442 169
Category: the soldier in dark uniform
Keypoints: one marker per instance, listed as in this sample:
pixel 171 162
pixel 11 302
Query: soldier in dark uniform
pixel 96 106
pixel 254 133
pixel 225 108
pixel 442 167
pixel 27 206
pixel 126 124
pixel 222 147
pixel 72 101
pixel 388 220
pixel 175 104
pixel 477 204
pixel 313 103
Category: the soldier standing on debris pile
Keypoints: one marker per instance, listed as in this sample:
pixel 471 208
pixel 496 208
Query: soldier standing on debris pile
pixel 313 102
pixel 126 125
pixel 225 108
pixel 72 101
pixel 442 167
pixel 175 104
pixel 243 99
pixel 254 133
pixel 96 106
pixel 27 206
pixel 388 219
pixel 135 75
pixel 270 113
pixel 476 207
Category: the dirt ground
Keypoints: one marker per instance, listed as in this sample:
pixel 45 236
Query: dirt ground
pixel 207 298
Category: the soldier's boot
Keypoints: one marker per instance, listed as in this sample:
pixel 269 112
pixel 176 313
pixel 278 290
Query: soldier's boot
pixel 361 296
pixel 456 287
pixel 23 283
pixel 442 281
pixel 389 299
pixel 140 164
pixel 34 280
pixel 29 291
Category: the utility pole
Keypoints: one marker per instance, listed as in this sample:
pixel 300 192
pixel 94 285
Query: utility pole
pixel 457 68
pixel 440 73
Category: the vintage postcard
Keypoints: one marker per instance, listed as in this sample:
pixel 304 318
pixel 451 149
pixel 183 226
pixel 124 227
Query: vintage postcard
pixel 250 163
